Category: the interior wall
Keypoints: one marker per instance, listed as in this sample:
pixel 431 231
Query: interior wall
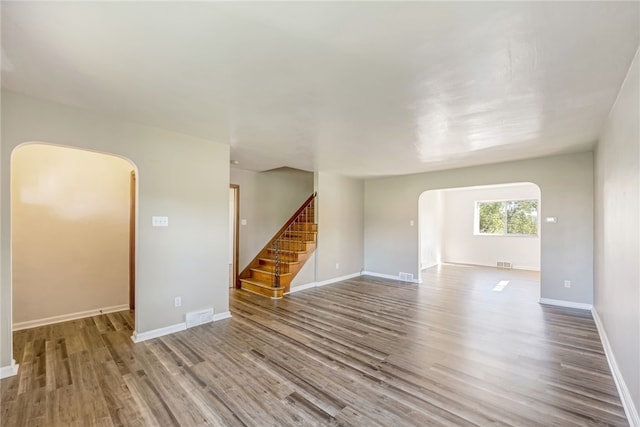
pixel 267 201
pixel 184 178
pixel 340 226
pixel 465 247
pixel 617 247
pixel 70 231
pixel 566 186
pixel 431 223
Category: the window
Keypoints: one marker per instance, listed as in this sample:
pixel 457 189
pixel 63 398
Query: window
pixel 510 217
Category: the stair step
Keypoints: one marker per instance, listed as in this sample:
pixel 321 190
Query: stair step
pixel 261 288
pixel 296 241
pixel 271 261
pixel 289 251
pixel 268 271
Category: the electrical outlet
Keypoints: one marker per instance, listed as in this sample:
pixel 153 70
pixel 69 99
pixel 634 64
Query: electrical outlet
pixel 567 283
pixel 337 266
pixel 177 302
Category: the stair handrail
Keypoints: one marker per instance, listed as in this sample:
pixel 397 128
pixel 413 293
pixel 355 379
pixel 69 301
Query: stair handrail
pixel 256 260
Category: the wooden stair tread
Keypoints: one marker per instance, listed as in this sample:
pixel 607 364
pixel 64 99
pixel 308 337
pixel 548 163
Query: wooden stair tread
pixel 268 271
pixel 282 262
pixel 261 284
pixel 288 250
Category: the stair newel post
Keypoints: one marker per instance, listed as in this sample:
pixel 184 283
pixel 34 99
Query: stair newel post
pixel 306 219
pixel 276 266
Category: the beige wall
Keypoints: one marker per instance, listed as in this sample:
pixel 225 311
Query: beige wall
pixel 617 247
pixel 70 231
pixel 267 201
pixel 184 178
pixel 340 226
pixel 566 187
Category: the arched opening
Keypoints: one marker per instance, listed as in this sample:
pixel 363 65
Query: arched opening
pixel 485 226
pixel 72 234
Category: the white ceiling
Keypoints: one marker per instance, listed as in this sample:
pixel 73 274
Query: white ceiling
pixel 357 88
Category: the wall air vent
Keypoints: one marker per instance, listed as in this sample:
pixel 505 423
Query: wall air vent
pixel 505 264
pixel 406 277
pixel 200 317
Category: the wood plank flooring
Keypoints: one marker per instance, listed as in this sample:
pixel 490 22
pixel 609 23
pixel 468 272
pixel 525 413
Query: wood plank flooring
pixel 364 352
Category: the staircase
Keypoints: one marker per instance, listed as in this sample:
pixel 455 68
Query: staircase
pixel 272 270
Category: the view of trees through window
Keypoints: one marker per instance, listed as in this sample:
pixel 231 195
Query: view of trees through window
pixel 508 217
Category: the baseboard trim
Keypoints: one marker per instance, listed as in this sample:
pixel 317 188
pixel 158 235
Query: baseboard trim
pixel 625 396
pixel 301 288
pixel 155 333
pixel 322 283
pixel 563 303
pixel 160 332
pixel 9 371
pixel 337 279
pixel 222 316
pixel 67 317
pixel 388 276
pixel 524 267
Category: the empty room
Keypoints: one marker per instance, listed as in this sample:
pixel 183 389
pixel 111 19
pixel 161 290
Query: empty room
pixel 320 213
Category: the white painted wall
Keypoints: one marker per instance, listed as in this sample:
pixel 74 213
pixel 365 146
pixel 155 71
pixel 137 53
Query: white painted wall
pixel 566 186
pixel 617 236
pixel 70 232
pixel 431 224
pixel 184 178
pixel 464 247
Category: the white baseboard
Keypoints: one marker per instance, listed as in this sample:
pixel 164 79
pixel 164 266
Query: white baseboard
pixel 221 316
pixel 625 396
pixel 524 267
pixel 160 332
pixel 563 303
pixel 322 283
pixel 337 279
pixel 67 317
pixel 155 333
pixel 9 371
pixel 388 276
pixel 302 287
pixel 514 267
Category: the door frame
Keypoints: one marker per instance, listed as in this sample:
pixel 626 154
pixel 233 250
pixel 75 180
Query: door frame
pixel 132 241
pixel 236 233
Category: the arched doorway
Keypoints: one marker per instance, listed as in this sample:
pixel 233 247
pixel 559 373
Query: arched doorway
pixel 489 226
pixel 72 234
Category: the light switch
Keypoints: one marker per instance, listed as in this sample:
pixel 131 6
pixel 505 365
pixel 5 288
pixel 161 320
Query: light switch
pixel 551 219
pixel 243 222
pixel 159 221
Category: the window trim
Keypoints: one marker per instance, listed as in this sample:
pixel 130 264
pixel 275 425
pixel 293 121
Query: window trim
pixel 476 219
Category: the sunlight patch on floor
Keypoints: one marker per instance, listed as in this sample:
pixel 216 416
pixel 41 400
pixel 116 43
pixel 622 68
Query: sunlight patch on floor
pixel 500 286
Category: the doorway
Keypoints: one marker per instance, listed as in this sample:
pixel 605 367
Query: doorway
pixel 234 215
pixel 73 234
pixel 489 226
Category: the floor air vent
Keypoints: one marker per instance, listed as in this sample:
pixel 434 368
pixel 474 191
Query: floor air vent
pixel 196 318
pixel 505 264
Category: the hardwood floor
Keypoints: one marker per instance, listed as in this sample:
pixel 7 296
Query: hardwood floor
pixel 365 352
